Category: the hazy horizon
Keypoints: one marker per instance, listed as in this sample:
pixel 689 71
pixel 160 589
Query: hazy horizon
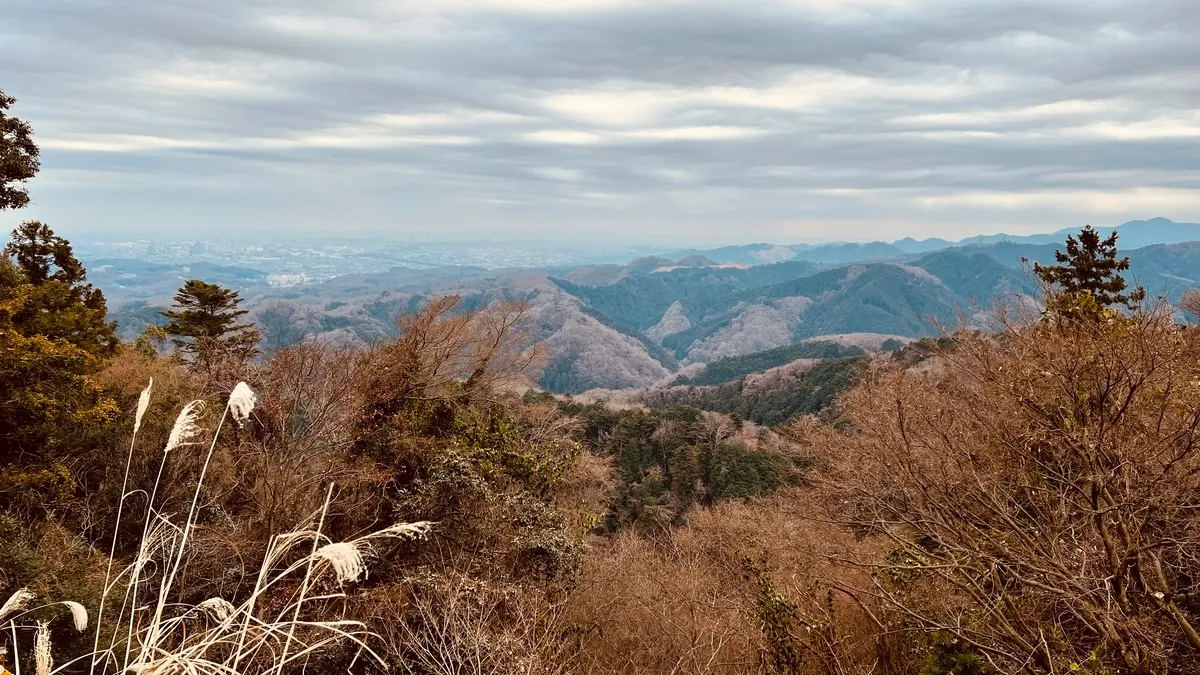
pixel 597 120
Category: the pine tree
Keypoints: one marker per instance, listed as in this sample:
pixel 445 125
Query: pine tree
pixel 18 157
pixel 204 323
pixel 53 340
pixel 53 337
pixel 59 303
pixel 1087 278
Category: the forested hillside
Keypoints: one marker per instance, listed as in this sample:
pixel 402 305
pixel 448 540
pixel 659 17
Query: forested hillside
pixel 1005 501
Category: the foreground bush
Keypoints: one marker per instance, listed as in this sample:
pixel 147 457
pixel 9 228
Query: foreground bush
pixel 1038 493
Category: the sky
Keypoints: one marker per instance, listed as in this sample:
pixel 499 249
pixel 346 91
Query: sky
pixel 637 120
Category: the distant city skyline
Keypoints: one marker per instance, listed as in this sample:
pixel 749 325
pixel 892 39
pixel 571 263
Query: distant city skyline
pixel 708 122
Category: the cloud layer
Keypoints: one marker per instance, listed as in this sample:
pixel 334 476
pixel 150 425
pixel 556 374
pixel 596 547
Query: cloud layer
pixel 778 119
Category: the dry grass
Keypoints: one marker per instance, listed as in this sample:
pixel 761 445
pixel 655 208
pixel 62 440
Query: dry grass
pixel 288 618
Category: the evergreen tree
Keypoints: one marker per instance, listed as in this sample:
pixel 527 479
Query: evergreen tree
pixel 52 342
pixel 204 323
pixel 1088 274
pixel 58 303
pixel 18 157
pixel 53 337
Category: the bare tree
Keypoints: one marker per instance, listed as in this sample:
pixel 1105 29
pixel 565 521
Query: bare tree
pixel 1039 493
pixel 440 346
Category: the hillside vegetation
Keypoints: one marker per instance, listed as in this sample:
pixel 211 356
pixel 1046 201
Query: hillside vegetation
pixel 1015 500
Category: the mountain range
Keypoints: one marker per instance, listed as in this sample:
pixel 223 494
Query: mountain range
pixel 671 319
pixel 1133 234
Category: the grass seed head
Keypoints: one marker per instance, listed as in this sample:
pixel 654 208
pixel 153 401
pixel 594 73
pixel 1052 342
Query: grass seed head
pixel 16 602
pixel 185 430
pixel 242 402
pixel 346 560
pixel 142 405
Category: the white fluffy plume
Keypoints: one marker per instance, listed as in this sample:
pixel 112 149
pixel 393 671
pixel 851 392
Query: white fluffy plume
pixel 16 602
pixel 185 430
pixel 241 402
pixel 218 608
pixel 143 403
pixel 79 614
pixel 417 530
pixel 346 560
pixel 41 649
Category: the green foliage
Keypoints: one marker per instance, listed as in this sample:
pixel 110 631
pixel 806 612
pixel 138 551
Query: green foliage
pixel 18 157
pixel 27 489
pixel 873 298
pixel 204 323
pixel 947 655
pixel 481 472
pixel 667 462
pixel 1089 267
pixel 734 367
pixel 58 302
pixel 733 471
pixel 53 340
pixel 779 620
pixel 975 276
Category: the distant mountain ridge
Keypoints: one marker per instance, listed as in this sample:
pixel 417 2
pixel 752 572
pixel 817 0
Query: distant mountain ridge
pixel 668 318
pixel 1133 234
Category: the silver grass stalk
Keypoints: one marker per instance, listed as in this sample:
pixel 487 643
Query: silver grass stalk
pixel 16 602
pixel 79 614
pixel 143 404
pixel 41 649
pixel 185 430
pixel 241 402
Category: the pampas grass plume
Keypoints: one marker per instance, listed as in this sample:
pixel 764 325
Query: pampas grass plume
pixel 346 560
pixel 417 530
pixel 241 402
pixel 41 649
pixel 79 614
pixel 16 602
pixel 185 430
pixel 218 608
pixel 143 404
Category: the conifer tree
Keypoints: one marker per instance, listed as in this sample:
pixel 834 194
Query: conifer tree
pixel 58 301
pixel 18 157
pixel 53 339
pixel 1088 275
pixel 204 324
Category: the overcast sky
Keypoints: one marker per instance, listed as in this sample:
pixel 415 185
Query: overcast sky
pixel 648 120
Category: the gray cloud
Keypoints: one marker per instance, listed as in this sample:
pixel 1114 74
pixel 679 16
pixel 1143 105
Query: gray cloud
pixel 799 119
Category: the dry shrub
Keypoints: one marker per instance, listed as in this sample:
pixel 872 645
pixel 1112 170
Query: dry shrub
pixel 449 623
pixel 441 346
pixel 690 601
pixel 1038 493
pixel 304 437
pixel 1190 302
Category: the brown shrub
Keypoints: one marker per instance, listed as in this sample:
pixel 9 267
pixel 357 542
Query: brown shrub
pixel 690 601
pixel 1037 493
